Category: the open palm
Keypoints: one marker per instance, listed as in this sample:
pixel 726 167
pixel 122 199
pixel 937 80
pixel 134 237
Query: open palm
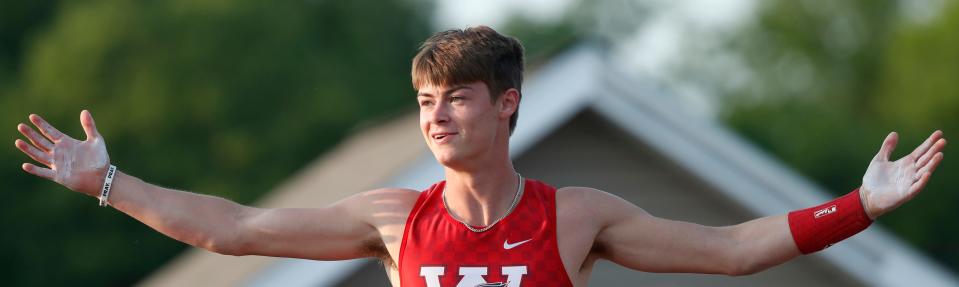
pixel 78 165
pixel 888 184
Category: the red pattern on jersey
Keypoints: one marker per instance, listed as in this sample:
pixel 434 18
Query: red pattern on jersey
pixel 434 239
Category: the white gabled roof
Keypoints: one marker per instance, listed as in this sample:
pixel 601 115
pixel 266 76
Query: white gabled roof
pixel 582 79
pixel 715 154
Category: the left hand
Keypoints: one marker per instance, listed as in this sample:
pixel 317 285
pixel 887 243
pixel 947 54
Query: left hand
pixel 888 184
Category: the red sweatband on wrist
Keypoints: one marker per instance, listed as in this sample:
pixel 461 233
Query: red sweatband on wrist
pixel 818 227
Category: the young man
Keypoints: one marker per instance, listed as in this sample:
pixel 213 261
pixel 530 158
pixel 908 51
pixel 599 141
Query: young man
pixel 485 225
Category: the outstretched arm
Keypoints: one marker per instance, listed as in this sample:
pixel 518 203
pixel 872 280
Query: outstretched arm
pixel 342 230
pixel 632 237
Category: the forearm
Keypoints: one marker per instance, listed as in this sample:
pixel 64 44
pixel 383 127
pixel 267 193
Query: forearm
pixel 760 244
pixel 769 241
pixel 203 221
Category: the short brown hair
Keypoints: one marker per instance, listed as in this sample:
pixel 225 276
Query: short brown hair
pixel 475 54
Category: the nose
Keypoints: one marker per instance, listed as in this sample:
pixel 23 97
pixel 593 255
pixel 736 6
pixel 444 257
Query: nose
pixel 439 113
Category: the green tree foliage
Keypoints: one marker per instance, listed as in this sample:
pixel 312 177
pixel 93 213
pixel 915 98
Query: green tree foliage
pixel 542 41
pixel 830 79
pixel 19 20
pixel 219 97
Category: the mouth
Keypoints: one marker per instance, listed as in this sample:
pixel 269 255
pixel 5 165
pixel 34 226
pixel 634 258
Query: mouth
pixel 442 137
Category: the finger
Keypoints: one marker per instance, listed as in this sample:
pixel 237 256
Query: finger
pixel 33 152
pixel 921 149
pixel 35 138
pixel 38 171
pixel 52 133
pixel 931 166
pixel 918 185
pixel 936 148
pixel 89 126
pixel 888 145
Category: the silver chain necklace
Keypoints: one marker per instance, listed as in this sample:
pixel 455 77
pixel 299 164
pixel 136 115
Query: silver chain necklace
pixel 519 194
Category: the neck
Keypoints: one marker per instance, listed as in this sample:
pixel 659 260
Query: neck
pixel 481 196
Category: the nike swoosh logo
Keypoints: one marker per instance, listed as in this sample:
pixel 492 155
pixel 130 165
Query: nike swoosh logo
pixel 508 246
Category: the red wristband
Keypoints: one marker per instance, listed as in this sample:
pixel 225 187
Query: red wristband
pixel 818 227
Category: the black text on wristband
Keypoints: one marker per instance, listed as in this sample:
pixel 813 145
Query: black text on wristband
pixel 107 182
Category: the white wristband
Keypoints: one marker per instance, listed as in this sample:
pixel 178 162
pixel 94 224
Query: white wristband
pixel 107 182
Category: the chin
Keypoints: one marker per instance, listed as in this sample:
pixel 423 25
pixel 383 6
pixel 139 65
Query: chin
pixel 448 159
pixel 445 159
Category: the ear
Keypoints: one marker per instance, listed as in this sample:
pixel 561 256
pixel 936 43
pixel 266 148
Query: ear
pixel 509 103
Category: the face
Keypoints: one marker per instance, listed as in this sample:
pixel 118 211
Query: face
pixel 461 125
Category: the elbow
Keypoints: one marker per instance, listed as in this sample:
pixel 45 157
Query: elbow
pixel 232 241
pixel 743 269
pixel 744 264
pixel 224 247
pixel 226 242
pixel 741 256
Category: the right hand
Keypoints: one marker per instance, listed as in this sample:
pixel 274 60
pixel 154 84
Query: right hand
pixel 77 165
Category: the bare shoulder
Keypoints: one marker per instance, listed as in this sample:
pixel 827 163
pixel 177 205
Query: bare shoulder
pixel 381 201
pixel 385 210
pixel 582 214
pixel 577 199
pixel 601 207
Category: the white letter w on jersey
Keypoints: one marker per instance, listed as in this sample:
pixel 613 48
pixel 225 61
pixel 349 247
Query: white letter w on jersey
pixel 472 276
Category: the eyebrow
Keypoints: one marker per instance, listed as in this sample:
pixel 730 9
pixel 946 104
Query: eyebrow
pixel 447 92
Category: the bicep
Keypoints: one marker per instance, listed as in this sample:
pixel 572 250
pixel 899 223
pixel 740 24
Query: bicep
pixel 638 240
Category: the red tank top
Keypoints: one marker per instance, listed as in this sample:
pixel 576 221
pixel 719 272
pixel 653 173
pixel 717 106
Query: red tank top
pixel 520 250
